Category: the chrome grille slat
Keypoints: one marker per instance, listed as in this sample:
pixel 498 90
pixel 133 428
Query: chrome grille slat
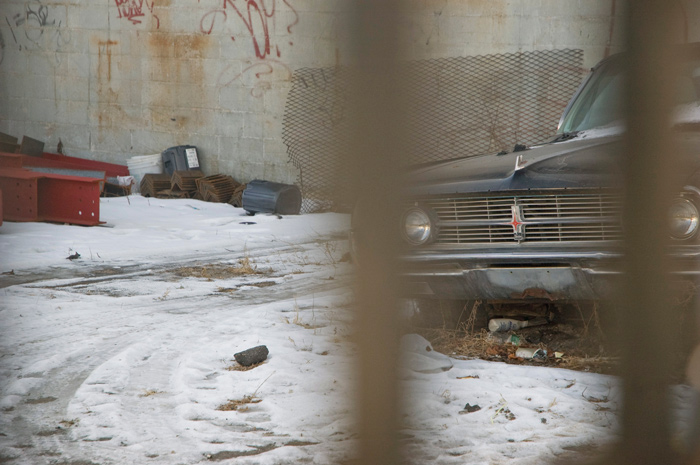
pixel 557 217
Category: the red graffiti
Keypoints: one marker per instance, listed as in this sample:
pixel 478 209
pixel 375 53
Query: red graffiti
pixel 206 25
pixel 258 17
pixel 133 10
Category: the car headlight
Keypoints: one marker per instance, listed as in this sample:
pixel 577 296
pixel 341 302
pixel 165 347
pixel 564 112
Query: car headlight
pixel 418 228
pixel 684 219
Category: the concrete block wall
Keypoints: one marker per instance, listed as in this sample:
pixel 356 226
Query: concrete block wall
pixel 117 78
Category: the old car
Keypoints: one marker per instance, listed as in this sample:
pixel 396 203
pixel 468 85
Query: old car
pixel 541 224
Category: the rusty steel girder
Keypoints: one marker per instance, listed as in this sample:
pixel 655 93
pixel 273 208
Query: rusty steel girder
pixel 32 196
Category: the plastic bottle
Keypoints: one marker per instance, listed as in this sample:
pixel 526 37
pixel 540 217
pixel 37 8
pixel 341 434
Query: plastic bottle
pixel 510 324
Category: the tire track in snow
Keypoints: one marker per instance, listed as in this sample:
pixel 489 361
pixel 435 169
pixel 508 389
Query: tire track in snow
pixel 34 430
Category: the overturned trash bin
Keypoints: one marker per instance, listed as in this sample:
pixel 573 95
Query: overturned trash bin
pixel 271 197
pixel 180 158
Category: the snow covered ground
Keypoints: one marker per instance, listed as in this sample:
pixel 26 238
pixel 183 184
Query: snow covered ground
pixel 125 355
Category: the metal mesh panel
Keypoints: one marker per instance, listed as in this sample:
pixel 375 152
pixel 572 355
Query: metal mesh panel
pixel 458 107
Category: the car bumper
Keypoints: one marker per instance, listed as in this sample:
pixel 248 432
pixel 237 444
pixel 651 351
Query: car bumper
pixel 542 275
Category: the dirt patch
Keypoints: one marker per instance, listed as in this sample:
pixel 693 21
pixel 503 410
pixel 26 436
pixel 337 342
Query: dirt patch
pixel 219 271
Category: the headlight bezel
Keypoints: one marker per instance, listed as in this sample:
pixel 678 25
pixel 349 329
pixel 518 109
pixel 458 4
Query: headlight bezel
pixel 692 218
pixel 429 218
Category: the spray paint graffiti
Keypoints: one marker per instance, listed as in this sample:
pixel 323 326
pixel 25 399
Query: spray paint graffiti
pixel 134 11
pixel 36 28
pixel 258 18
pixel 259 21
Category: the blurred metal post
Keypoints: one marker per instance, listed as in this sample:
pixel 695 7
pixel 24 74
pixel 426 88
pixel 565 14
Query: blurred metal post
pixel 376 160
pixel 649 166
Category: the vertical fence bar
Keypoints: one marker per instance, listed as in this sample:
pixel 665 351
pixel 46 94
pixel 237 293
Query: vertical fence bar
pixel 649 163
pixel 374 146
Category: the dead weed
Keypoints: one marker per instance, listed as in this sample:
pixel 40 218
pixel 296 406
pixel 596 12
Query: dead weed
pixel 239 367
pixel 240 405
pixel 150 392
pixel 580 353
pixel 219 271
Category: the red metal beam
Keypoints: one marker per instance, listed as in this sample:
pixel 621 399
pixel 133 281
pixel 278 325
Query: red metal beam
pixel 31 196
pixel 21 189
pixel 10 160
pixel 112 169
pixel 69 199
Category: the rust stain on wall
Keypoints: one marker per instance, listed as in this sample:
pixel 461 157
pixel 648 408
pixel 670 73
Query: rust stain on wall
pixel 178 87
pixel 104 51
pixel 111 89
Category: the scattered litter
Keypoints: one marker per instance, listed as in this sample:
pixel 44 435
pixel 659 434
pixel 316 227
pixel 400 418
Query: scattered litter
pixel 470 409
pixel 533 353
pixel 468 377
pixel 558 354
pixel 510 324
pixel 505 338
pixel 418 355
pixel 74 256
pixel 252 356
pixel 247 222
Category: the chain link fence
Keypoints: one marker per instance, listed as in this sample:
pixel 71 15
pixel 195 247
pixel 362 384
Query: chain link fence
pixel 457 107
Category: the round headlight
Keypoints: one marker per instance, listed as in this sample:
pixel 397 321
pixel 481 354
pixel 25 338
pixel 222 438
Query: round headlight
pixel 417 226
pixel 684 219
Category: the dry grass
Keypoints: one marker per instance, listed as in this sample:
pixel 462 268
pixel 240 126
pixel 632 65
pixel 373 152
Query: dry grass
pixel 240 405
pixel 151 392
pixel 219 271
pixel 239 367
pixel 484 346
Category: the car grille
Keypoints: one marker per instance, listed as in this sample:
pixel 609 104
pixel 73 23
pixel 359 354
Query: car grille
pixel 527 218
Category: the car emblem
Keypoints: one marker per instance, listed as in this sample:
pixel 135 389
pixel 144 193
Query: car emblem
pixel 517 222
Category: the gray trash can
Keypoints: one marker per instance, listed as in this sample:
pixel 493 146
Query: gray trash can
pixel 180 158
pixel 271 197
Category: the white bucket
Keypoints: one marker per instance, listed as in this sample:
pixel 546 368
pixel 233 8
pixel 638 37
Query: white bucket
pixel 144 164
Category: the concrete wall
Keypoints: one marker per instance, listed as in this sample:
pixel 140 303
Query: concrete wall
pixel 118 78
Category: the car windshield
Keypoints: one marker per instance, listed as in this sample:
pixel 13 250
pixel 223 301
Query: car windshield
pixel 599 103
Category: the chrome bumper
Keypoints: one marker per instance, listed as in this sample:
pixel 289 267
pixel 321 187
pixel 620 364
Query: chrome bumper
pixel 524 275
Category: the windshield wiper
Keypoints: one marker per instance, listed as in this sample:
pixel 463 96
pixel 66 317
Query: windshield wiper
pixel 565 136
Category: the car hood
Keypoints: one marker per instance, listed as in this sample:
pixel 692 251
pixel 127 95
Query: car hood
pixel 580 163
